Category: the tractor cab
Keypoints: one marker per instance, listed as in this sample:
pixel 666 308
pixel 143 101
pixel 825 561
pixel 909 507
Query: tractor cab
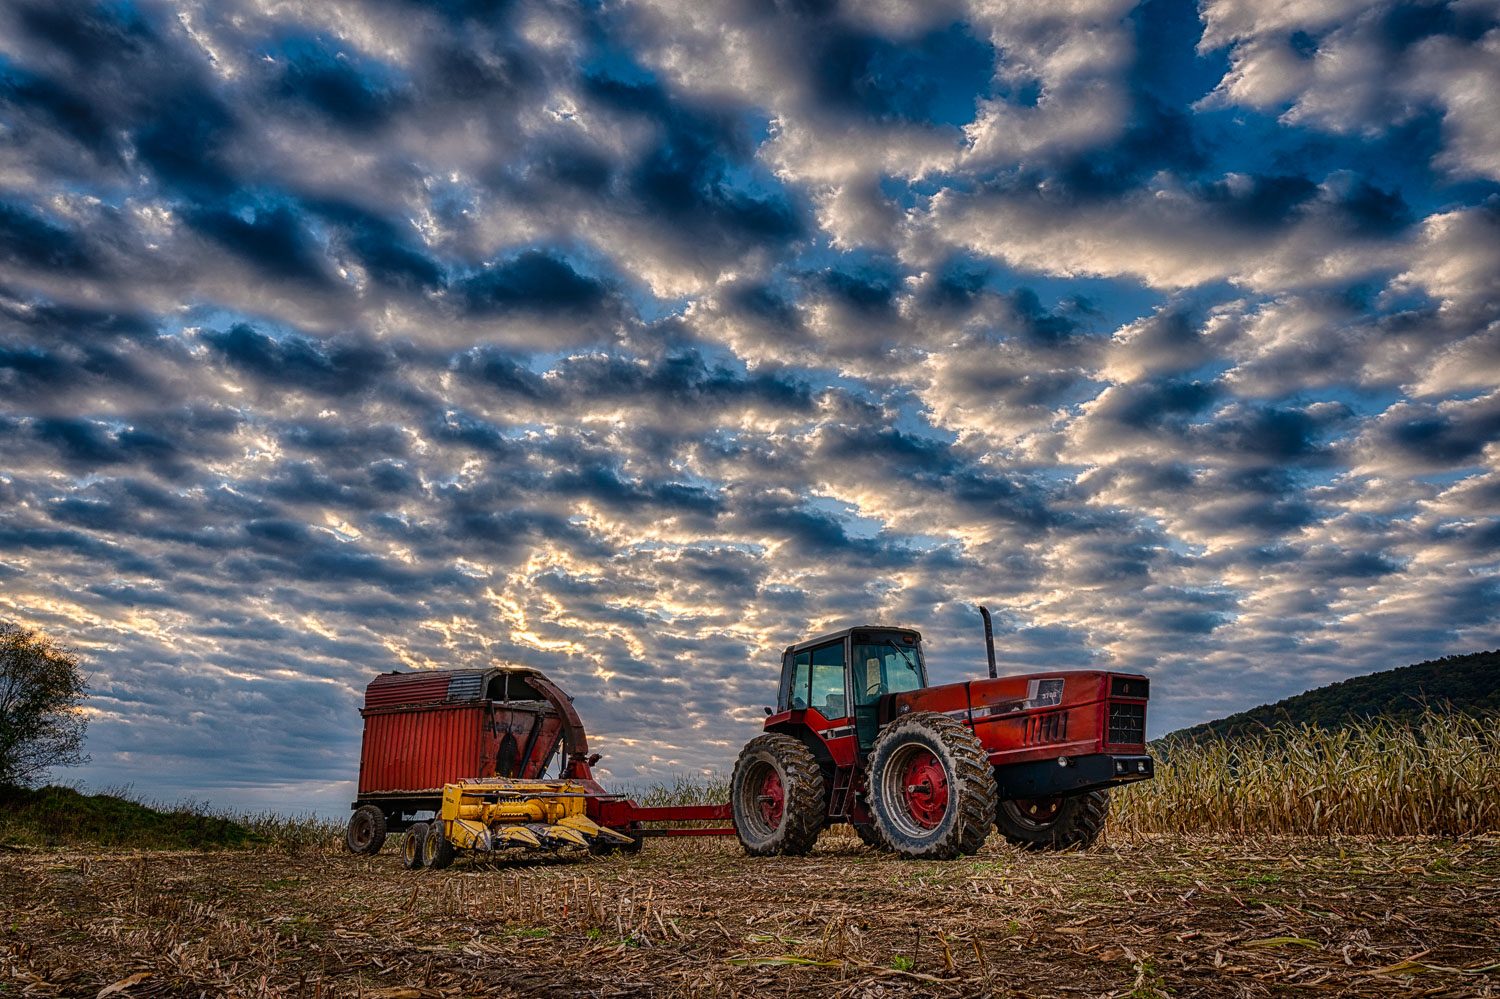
pixel 844 675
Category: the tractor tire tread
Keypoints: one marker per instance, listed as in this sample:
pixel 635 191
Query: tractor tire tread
pixel 972 783
pixel 804 810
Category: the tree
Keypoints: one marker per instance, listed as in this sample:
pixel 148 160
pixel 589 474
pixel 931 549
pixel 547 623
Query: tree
pixel 41 691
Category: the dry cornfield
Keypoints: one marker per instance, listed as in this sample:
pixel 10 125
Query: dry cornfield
pixel 1437 777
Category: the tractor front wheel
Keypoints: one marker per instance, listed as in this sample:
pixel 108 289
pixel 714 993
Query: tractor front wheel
pixel 932 792
pixel 1053 823
pixel 366 832
pixel 777 797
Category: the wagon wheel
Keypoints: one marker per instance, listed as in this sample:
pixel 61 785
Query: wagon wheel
pixel 411 846
pixel 366 832
pixel 437 851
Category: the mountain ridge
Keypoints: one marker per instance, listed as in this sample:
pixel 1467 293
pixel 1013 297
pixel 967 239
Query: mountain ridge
pixel 1469 684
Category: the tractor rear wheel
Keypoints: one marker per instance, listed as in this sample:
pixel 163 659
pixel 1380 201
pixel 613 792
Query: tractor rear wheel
pixel 777 797
pixel 437 852
pixel 366 832
pixel 932 792
pixel 411 846
pixel 1053 823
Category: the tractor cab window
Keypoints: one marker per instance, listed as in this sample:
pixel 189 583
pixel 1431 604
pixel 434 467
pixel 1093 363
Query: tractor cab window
pixel 885 666
pixel 817 681
pixel 882 664
pixel 801 675
pixel 828 681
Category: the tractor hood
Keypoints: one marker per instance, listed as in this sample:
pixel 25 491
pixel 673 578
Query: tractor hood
pixel 1041 715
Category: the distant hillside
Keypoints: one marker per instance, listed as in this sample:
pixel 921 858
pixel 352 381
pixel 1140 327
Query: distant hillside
pixel 1469 684
pixel 53 816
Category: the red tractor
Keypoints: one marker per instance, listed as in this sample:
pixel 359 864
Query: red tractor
pixel 858 736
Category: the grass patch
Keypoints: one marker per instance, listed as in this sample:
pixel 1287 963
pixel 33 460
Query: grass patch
pixel 52 817
pixel 62 816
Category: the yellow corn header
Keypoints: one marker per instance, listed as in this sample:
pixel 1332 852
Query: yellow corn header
pixel 492 815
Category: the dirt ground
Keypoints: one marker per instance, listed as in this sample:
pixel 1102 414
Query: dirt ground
pixel 1164 918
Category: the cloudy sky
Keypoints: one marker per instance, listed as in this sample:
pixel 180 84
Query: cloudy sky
pixel 637 340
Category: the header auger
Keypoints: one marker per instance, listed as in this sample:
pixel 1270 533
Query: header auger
pixel 858 736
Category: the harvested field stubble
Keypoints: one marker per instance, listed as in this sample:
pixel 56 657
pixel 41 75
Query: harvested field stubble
pixel 1154 917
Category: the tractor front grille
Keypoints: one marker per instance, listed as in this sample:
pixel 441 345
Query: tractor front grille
pixel 1127 724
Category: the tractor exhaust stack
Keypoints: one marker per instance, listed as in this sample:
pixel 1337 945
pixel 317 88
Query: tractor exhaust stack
pixel 989 638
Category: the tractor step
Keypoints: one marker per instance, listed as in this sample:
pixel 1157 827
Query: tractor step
pixel 838 802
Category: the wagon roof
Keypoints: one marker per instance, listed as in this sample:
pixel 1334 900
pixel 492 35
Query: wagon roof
pixel 429 686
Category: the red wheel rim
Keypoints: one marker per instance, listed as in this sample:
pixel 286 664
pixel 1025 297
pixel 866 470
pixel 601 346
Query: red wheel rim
pixel 924 785
pixel 1039 809
pixel 772 798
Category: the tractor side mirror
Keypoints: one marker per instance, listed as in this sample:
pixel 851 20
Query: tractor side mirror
pixel 767 711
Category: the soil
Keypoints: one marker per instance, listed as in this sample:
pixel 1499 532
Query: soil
pixel 1166 917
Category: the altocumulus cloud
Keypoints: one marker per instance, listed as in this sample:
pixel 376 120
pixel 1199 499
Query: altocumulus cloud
pixel 637 341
